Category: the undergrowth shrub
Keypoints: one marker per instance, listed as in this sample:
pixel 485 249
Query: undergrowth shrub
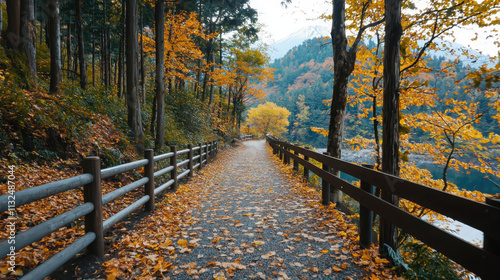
pixel 419 262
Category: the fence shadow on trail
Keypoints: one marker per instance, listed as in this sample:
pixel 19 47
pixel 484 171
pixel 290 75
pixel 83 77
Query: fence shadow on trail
pixel 92 206
pixel 485 217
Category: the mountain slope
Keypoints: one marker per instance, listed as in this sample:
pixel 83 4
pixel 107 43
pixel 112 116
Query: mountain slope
pixel 450 51
pixel 281 47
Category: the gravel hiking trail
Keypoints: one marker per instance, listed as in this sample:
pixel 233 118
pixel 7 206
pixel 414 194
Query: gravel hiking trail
pixel 257 222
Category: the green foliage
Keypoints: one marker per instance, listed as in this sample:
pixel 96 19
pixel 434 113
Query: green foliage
pixel 421 262
pixel 37 126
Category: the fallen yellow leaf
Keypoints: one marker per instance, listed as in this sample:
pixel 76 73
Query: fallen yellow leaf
pixel 257 243
pixel 336 268
pixel 379 260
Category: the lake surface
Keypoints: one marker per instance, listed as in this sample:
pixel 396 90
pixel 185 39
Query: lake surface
pixel 475 180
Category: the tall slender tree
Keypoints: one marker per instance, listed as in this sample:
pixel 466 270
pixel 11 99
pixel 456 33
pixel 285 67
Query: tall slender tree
pixel 160 74
pixel 1 17
pixel 133 100
pixel 13 32
pixel 81 51
pixel 28 35
pixel 390 112
pixel 69 50
pixel 143 71
pixel 54 45
pixel 344 59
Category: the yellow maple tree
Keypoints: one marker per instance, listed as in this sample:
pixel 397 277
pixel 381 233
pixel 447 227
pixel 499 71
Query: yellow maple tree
pixel 268 118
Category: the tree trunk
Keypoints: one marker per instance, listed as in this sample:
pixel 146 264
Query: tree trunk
pixel 198 78
pixel 143 72
pixel 342 69
pixel 115 77
pixel 28 36
pixel 69 50
pixel 104 45
pixel 93 48
pixel 121 54
pixel 55 46
pixel 1 18
pixel 101 57
pixel 81 50
pixel 120 67
pixel 40 42
pixel 212 69
pixel 207 71
pixel 375 131
pixel 390 111
pixel 159 77
pixel 133 101
pixel 108 59
pixel 13 24
pixel 229 98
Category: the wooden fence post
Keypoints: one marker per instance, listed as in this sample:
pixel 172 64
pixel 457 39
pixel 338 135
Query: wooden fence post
pixel 366 218
pixel 201 156
pixel 207 151
pixel 211 149
pixel 287 157
pixel 295 162
pixel 173 162
pixel 149 172
pixel 325 187
pixel 190 156
pixel 284 155
pixel 490 244
pixel 306 171
pixel 92 193
pixel 281 152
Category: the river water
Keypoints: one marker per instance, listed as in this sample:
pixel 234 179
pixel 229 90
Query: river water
pixel 473 181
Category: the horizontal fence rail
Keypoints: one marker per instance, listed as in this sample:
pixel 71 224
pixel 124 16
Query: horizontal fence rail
pixel 246 137
pixel 91 207
pixel 482 216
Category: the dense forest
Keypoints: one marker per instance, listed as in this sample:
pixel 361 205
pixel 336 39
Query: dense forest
pixel 111 78
pixel 80 78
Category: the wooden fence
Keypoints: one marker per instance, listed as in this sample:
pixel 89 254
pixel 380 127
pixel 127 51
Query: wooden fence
pixel 485 217
pixel 246 137
pixel 91 207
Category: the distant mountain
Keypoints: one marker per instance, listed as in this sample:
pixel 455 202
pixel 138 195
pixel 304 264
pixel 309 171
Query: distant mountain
pixel 474 60
pixel 281 47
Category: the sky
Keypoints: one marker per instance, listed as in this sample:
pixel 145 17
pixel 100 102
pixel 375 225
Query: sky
pixel 278 22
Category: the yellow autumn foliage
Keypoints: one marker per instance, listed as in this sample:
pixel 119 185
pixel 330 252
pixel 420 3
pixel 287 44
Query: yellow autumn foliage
pixel 268 118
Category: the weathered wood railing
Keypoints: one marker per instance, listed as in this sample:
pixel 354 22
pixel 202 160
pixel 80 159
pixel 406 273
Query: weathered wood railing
pixel 483 216
pixel 246 137
pixel 91 208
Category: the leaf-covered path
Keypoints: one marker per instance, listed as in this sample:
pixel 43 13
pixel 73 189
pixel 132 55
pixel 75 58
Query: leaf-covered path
pixel 254 224
pixel 243 216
